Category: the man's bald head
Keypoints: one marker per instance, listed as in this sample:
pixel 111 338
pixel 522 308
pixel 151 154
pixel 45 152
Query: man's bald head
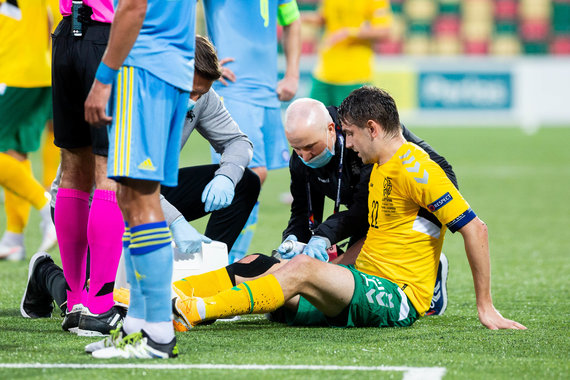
pixel 306 113
pixel 309 127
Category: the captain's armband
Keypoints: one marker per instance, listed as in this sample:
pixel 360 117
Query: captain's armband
pixel 456 224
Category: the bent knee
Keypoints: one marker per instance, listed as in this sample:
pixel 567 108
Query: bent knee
pixel 252 182
pixel 303 261
pixel 261 172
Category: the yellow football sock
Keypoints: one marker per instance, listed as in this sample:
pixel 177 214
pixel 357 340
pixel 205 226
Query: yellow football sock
pixel 15 177
pixel 122 295
pixel 251 297
pixel 50 158
pixel 205 284
pixel 17 208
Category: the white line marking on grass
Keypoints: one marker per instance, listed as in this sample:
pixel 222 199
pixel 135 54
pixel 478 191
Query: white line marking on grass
pixel 410 373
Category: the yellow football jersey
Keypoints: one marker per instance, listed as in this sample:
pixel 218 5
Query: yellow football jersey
pixel 350 60
pixel 25 59
pixel 411 203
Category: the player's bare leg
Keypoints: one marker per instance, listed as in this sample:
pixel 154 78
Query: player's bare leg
pixel 261 172
pixel 328 287
pixel 77 169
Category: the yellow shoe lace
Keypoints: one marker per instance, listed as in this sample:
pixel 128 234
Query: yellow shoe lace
pixel 130 339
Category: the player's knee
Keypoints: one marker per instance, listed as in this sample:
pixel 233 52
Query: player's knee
pixel 251 182
pixel 301 263
pixel 249 258
pixel 77 169
pixel 77 179
pixel 251 266
pixel 261 172
pixel 20 156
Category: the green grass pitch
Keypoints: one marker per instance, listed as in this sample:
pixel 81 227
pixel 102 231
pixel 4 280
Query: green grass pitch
pixel 518 184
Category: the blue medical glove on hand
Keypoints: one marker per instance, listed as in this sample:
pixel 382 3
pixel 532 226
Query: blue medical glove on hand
pixel 218 194
pixel 317 248
pixel 289 254
pixel 186 238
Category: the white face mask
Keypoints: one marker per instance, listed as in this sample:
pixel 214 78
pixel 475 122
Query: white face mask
pixel 320 159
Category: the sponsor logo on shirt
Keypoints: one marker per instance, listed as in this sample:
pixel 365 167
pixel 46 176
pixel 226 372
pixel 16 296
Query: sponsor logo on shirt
pixel 439 203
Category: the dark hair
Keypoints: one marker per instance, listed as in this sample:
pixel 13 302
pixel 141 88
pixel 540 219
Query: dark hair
pixel 370 103
pixel 206 62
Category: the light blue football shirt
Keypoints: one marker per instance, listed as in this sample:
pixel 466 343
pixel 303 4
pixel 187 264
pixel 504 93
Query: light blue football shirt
pixel 165 45
pixel 246 30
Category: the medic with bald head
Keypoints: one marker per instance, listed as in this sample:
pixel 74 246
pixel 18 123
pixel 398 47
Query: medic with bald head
pixel 321 167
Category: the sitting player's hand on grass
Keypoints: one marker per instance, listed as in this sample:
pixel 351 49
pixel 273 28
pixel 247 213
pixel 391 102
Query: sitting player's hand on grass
pixel 492 319
pixel 218 193
pixel 317 248
pixel 186 238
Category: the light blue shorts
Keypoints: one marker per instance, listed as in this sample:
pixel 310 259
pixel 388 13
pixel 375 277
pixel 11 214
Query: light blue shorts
pixel 263 126
pixel 148 118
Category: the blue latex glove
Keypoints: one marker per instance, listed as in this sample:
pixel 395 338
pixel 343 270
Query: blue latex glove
pixel 288 255
pixel 317 248
pixel 186 238
pixel 218 194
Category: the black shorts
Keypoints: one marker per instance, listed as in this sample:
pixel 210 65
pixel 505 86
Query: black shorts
pixel 74 64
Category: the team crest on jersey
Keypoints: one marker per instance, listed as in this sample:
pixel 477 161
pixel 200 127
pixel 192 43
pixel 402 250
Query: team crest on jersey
pixel 387 187
pixel 439 203
pixel 285 156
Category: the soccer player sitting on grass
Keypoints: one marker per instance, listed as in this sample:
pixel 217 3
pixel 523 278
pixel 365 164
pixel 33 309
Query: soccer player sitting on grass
pixel 321 166
pixel 391 283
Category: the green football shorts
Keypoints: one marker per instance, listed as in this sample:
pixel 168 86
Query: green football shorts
pixel 23 116
pixel 331 94
pixel 376 302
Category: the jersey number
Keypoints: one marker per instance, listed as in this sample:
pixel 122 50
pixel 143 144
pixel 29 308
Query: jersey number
pixel 374 214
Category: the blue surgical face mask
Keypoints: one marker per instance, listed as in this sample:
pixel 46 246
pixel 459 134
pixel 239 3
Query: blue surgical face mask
pixel 320 159
pixel 191 104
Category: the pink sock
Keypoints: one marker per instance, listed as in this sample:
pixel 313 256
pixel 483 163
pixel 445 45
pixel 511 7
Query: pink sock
pixel 71 215
pixel 105 236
